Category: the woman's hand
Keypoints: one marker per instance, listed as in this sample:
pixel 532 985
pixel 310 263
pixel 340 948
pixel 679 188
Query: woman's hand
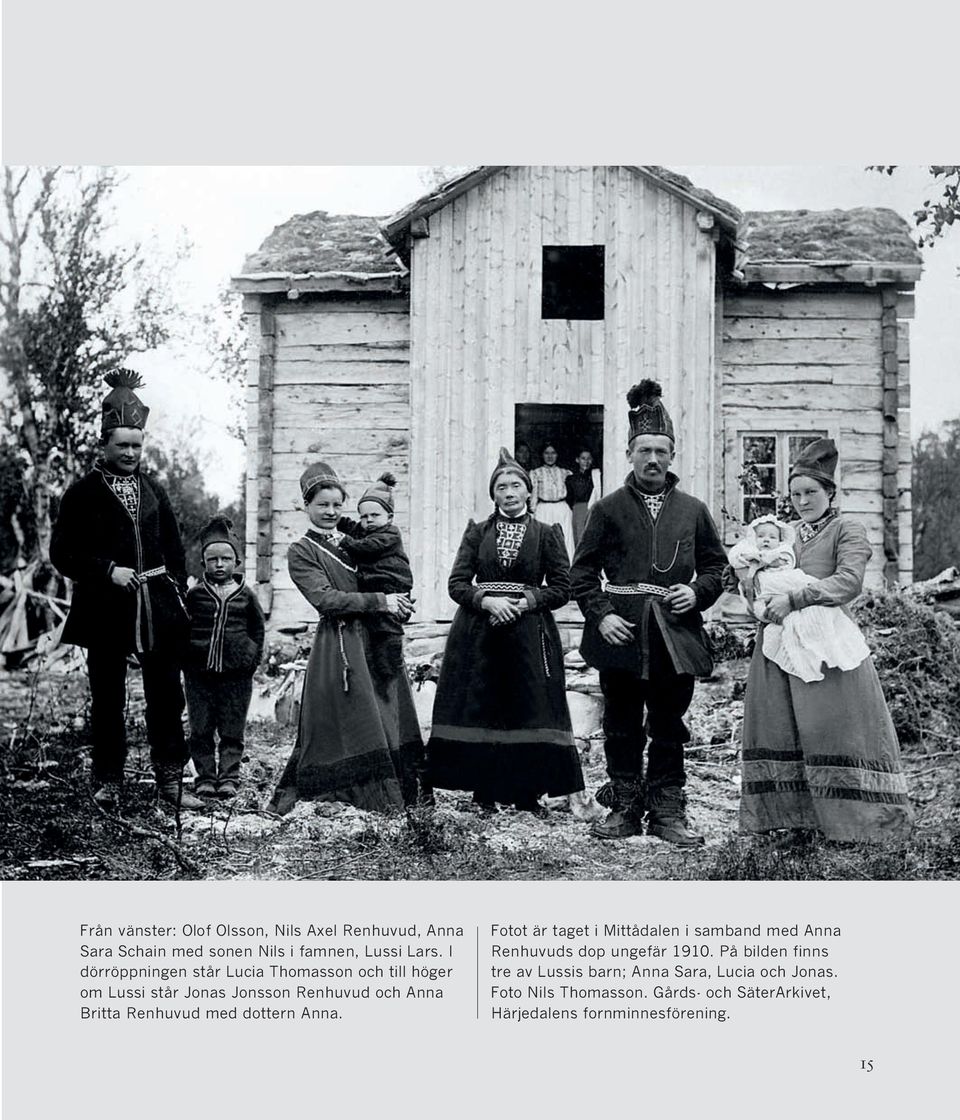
pixel 778 607
pixel 400 606
pixel 503 610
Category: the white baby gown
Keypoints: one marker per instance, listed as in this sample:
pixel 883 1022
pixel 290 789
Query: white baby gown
pixel 811 637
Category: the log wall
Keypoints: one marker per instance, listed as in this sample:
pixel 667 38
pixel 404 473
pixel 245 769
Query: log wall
pixel 340 393
pixel 798 360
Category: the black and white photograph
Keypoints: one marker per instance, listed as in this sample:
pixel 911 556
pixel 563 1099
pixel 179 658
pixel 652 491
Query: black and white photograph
pixel 480 522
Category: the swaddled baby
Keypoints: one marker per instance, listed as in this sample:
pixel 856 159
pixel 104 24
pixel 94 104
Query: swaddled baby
pixel 809 638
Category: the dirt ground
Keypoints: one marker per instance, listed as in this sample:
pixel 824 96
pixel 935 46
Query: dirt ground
pixel 54 830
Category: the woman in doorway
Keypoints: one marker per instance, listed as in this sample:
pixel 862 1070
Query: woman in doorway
pixel 355 743
pixel 583 490
pixel 501 726
pixel 821 758
pixel 548 498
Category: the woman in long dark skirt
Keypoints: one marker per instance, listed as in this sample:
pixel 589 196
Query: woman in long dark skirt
pixel 501 726
pixel 355 743
pixel 821 758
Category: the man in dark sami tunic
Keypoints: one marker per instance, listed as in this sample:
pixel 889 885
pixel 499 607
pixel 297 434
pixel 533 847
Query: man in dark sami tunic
pixel 661 558
pixel 117 538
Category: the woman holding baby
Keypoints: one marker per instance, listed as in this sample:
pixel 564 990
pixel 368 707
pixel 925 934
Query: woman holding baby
pixel 820 753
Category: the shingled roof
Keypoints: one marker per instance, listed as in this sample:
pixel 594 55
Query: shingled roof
pixel 860 236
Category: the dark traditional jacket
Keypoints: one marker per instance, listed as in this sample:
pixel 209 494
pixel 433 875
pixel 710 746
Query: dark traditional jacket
pixel 382 564
pixel 226 633
pixel 628 546
pixel 93 534
pixel 542 556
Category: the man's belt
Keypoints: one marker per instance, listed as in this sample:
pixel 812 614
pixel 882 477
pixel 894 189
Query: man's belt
pixel 503 587
pixel 161 571
pixel 145 607
pixel 637 589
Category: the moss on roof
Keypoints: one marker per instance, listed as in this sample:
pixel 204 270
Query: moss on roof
pixel 851 236
pixel 322 242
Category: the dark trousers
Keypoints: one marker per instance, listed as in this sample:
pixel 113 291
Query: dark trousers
pixel 665 698
pixel 107 671
pixel 217 704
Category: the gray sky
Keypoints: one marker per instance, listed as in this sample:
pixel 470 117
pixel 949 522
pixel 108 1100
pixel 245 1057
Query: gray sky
pixel 226 213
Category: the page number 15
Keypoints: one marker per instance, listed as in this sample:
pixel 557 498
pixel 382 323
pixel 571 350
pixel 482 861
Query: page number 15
pixel 866 1064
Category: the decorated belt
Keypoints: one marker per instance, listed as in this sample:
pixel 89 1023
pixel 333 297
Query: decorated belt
pixel 510 588
pixel 637 589
pixel 151 572
pixel 549 501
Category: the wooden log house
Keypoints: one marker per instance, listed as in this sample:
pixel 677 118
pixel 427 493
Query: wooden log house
pixel 516 304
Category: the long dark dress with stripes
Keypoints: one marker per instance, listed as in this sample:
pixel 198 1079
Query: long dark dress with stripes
pixel 823 755
pixel 355 743
pixel 501 726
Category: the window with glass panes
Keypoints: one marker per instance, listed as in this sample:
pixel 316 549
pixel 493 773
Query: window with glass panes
pixel 765 459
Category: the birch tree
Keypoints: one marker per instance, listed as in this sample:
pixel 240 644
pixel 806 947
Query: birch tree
pixel 75 303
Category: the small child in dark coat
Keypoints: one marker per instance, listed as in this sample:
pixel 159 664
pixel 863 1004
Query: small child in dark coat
pixel 376 545
pixel 226 644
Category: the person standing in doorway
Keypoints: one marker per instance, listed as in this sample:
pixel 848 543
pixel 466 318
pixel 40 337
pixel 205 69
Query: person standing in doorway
pixel 583 491
pixel 662 560
pixel 548 498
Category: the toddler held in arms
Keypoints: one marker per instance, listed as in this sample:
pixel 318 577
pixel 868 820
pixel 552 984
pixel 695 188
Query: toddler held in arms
pixel 810 637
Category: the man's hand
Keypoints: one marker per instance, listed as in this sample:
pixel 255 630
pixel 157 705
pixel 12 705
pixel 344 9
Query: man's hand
pixel 778 607
pixel 616 631
pixel 125 577
pixel 680 598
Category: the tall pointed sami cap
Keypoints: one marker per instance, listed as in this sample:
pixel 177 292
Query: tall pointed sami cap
pixel 506 464
pixel 121 407
pixel 219 530
pixel 818 460
pixel 647 415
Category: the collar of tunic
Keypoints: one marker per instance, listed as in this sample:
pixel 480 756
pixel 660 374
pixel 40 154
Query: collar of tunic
pixel 808 530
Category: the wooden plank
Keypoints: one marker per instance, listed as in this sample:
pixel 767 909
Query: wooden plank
pixel 736 328
pixel 341 328
pixel 288 466
pixel 319 394
pixel 358 305
pixel 393 353
pixel 339 440
pixel 841 398
pixel 318 417
pixel 786 273
pixel 312 372
pixel 817 352
pixel 799 303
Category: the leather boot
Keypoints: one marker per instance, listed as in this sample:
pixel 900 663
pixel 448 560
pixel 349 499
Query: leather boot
pixel 625 801
pixel 171 792
pixel 667 817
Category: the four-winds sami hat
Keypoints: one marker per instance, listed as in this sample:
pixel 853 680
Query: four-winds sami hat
pixel 647 415
pixel 317 475
pixel 506 464
pixel 818 460
pixel 381 491
pixel 121 407
pixel 219 530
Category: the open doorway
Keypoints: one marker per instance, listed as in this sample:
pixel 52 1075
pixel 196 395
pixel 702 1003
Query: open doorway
pixel 570 428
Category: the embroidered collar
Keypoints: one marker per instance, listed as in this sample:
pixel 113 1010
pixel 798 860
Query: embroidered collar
pixel 807 530
pixel 235 585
